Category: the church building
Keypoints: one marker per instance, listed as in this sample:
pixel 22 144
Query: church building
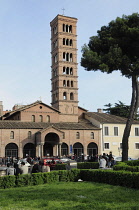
pixel 61 129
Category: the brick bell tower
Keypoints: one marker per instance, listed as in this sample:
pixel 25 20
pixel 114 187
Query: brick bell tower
pixel 64 79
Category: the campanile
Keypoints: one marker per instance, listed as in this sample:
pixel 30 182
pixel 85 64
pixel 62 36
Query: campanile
pixel 64 76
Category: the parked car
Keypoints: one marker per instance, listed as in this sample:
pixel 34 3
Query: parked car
pixel 64 160
pixel 120 158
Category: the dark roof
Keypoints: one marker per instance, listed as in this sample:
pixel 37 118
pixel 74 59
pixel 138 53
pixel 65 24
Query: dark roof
pixel 108 118
pixel 9 124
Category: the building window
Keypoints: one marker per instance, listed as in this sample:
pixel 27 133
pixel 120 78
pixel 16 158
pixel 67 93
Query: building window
pixel 47 118
pixel 136 131
pixel 115 131
pixel 12 135
pixel 92 135
pixel 33 118
pixel 71 83
pixel 65 96
pixel 71 96
pixel 106 146
pixel 63 135
pixel 41 118
pixel 106 131
pixel 136 145
pixel 29 134
pixel 77 135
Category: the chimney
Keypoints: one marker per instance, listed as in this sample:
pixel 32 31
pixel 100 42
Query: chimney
pixel 99 110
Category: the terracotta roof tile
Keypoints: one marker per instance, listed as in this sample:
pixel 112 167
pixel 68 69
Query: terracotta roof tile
pixel 107 118
pixel 4 124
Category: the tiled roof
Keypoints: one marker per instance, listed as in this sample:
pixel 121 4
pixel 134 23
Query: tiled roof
pixel 108 118
pixel 29 106
pixel 5 124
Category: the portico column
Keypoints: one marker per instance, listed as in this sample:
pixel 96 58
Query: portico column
pixel 59 150
pixel 41 150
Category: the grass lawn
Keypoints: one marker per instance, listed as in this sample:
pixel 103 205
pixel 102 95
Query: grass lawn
pixel 69 196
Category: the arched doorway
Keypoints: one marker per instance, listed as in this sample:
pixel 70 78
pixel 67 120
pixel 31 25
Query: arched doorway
pixel 51 145
pixel 11 150
pixel 30 150
pixel 64 149
pixel 78 149
pixel 92 149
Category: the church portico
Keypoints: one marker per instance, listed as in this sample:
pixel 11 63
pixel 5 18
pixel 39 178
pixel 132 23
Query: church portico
pixel 49 142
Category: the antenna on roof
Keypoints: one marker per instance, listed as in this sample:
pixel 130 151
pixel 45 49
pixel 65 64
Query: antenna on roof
pixel 63 11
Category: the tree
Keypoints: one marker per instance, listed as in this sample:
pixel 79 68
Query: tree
pixel 116 47
pixel 119 109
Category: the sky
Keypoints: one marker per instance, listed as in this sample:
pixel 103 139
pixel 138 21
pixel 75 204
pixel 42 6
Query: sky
pixel 25 50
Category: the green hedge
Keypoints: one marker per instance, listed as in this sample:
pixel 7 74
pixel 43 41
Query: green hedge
pixel 88 165
pixel 127 166
pixel 60 166
pixel 121 178
pixel 39 178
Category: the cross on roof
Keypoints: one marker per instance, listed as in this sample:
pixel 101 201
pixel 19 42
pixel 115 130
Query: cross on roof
pixel 63 11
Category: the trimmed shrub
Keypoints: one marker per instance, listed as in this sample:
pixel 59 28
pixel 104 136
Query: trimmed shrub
pixel 88 165
pixel 60 166
pixel 23 180
pixel 7 181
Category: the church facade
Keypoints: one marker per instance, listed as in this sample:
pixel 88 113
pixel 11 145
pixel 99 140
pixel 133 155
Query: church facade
pixel 63 128
pixel 60 129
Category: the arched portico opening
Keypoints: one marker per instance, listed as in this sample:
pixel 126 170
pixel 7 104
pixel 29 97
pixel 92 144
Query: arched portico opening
pixel 92 149
pixel 78 149
pixel 29 150
pixel 11 150
pixel 51 145
pixel 64 149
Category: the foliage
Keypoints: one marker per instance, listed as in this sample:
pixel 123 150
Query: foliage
pixel 60 166
pixel 116 48
pixel 88 165
pixel 119 109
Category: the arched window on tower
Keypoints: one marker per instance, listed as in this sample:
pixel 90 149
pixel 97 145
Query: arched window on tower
pixel 71 57
pixel 64 83
pixel 67 41
pixel 63 27
pixel 67 70
pixel 67 28
pixel 71 83
pixel 67 57
pixel 64 70
pixel 63 41
pixel 71 71
pixel 70 29
pixel 68 83
pixel 64 56
pixel 71 96
pixel 65 96
pixel 70 42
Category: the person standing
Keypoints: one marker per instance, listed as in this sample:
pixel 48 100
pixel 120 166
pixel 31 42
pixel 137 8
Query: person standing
pixel 24 168
pixel 102 162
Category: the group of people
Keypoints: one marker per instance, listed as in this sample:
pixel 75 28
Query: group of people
pixel 106 160
pixel 22 168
